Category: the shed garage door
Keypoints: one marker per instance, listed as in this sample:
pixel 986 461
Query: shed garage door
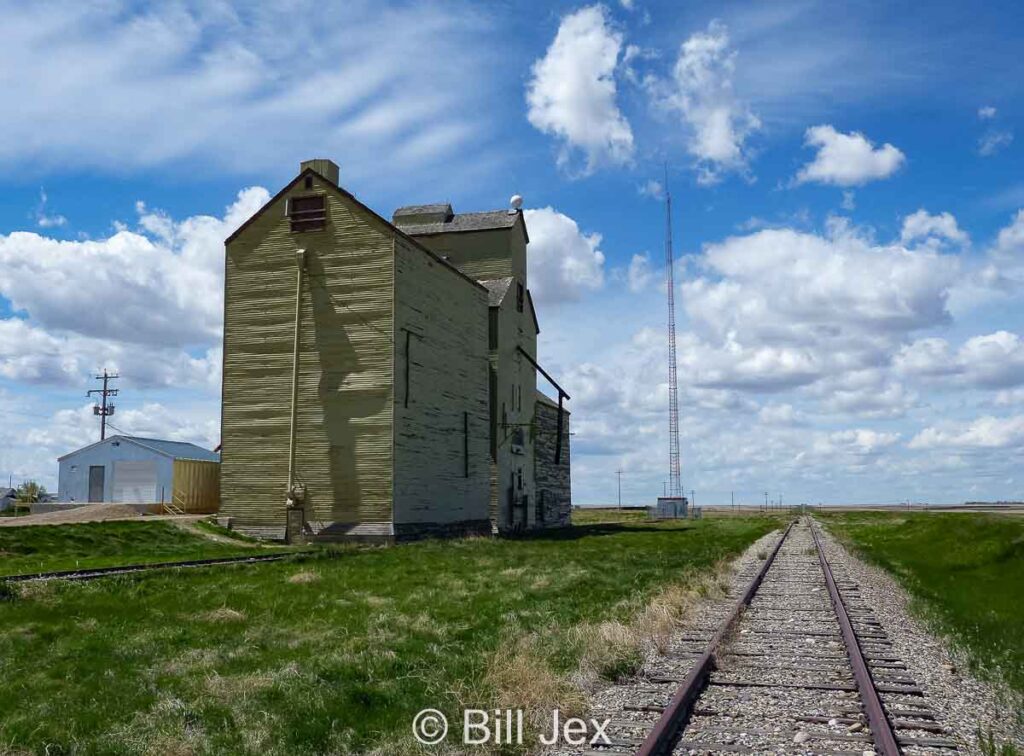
pixel 135 481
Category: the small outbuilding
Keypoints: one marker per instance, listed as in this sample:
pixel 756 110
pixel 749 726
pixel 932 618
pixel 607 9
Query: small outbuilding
pixel 177 476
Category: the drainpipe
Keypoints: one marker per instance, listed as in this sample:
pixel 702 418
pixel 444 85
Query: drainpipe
pixel 294 500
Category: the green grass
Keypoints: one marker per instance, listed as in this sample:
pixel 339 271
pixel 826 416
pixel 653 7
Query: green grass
pixel 50 548
pixel 965 570
pixel 593 515
pixel 333 655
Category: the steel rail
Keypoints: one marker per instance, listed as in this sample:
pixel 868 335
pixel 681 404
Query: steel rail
pixel 878 722
pixel 662 737
pixel 98 572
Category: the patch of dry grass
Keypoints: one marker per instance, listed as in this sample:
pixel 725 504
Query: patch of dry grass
pixel 222 614
pixel 523 675
pixel 304 577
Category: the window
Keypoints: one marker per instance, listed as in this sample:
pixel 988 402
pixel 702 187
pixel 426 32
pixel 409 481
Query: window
pixel 307 213
pixel 520 293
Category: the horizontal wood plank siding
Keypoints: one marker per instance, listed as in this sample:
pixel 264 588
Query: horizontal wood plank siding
pixel 344 448
pixel 447 393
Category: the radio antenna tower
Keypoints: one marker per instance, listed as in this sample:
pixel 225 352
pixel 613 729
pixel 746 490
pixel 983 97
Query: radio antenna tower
pixel 675 488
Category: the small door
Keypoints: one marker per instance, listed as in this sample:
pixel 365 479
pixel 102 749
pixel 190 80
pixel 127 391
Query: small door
pixel 97 475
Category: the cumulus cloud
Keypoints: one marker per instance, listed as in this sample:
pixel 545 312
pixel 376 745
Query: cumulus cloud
pixel 992 361
pixel 639 274
pixel 160 285
pixel 572 91
pixel 921 226
pixel 787 286
pixel 986 432
pixel 563 262
pixel 986 112
pixel 718 121
pixel 847 159
pixel 147 302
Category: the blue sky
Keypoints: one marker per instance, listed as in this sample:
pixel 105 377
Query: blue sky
pixel 847 183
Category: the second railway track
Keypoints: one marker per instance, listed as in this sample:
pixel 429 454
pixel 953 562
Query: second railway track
pixel 800 664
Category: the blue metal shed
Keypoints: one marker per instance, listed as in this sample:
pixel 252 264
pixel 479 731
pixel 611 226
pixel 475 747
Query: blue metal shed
pixel 124 469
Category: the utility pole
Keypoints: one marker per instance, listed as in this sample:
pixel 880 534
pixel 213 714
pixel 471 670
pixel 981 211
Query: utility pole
pixel 693 499
pixel 732 500
pixel 104 409
pixel 765 501
pixel 618 474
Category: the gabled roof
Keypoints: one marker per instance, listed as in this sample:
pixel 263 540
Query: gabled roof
pixel 173 449
pixel 463 222
pixel 352 198
pixel 497 288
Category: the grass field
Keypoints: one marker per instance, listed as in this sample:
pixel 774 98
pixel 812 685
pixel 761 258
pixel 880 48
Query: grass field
pixel 49 548
pixel 338 653
pixel 965 570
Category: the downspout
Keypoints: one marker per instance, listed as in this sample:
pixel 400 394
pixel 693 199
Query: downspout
pixel 294 502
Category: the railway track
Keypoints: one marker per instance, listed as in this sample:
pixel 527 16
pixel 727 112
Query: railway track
pixel 99 572
pixel 798 663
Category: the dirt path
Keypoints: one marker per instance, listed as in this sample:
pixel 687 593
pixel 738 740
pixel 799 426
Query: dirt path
pixel 90 513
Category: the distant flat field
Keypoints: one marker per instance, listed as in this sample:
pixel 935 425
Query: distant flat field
pixel 966 571
pixel 335 654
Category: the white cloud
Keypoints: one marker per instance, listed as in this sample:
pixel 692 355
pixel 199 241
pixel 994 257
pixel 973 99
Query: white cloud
pixel 572 92
pixel 563 262
pixel 147 302
pixel 777 414
pixel 44 219
pixel 793 287
pixel 120 87
pixel 159 286
pixel 719 122
pixel 993 141
pixel 639 274
pixel 29 354
pixel 992 361
pixel 847 159
pixel 849 201
pixel 986 432
pixel 652 189
pixel 932 228
pixel 986 112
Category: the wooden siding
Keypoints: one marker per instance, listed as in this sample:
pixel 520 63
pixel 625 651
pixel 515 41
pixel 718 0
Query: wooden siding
pixel 554 491
pixel 516 387
pixel 442 446
pixel 483 254
pixel 196 486
pixel 344 437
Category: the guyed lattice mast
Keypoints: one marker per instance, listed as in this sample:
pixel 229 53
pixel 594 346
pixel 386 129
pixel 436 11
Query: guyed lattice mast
pixel 675 487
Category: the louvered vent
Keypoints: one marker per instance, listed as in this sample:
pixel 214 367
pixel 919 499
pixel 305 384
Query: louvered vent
pixel 308 213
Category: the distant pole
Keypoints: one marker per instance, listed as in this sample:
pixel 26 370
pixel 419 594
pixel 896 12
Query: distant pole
pixel 732 500
pixel 104 410
pixel 618 474
pixel 765 501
